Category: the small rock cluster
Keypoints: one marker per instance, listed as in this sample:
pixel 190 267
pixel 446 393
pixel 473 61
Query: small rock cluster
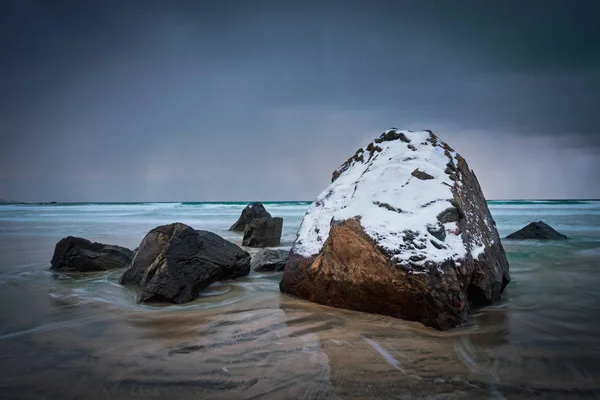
pixel 175 262
pixel 260 229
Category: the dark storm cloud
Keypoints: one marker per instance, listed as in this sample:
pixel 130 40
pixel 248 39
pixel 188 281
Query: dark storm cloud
pixel 200 100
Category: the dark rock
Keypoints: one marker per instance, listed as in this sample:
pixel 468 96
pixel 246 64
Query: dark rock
pixel 450 214
pixel 132 276
pixel 175 262
pixel 387 206
pixel 252 211
pixel 537 230
pixel 391 135
pixel 263 232
pixel 437 231
pixel 421 175
pixel 437 245
pixel 79 254
pixel 269 260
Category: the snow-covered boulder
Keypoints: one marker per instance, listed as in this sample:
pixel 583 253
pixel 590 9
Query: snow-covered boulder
pixel 403 230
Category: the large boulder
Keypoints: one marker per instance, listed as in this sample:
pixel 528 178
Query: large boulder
pixel 269 260
pixel 175 262
pixel 403 230
pixel 537 230
pixel 263 232
pixel 252 211
pixel 75 254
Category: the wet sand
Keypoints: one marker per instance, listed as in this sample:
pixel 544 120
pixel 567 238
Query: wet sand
pixel 244 339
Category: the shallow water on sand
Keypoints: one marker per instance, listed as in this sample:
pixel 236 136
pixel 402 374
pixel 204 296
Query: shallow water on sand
pixel 84 336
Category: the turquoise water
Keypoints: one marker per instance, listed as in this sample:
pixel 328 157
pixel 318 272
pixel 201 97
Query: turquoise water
pixel 72 336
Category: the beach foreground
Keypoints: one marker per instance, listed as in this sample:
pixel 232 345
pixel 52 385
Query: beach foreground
pixel 70 336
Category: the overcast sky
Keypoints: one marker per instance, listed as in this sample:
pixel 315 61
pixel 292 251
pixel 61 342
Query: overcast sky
pixel 261 100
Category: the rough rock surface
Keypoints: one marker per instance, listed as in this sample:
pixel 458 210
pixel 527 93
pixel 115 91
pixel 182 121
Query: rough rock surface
pixel 79 254
pixel 269 260
pixel 537 230
pixel 252 211
pixel 403 230
pixel 263 232
pixel 174 262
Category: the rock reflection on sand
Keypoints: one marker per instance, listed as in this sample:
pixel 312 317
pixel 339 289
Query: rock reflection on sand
pixel 244 340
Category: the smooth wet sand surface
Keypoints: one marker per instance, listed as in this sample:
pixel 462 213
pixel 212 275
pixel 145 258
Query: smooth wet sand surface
pixel 245 340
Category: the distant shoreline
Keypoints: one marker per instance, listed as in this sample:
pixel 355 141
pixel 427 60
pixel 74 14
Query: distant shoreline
pixel 496 201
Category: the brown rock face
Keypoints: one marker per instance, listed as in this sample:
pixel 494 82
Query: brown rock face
pixel 358 269
pixel 352 273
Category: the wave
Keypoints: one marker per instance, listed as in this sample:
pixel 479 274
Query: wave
pixel 529 202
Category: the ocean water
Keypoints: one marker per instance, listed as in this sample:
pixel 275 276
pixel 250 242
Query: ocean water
pixel 84 336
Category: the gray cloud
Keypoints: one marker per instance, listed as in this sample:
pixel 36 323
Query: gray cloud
pixel 186 100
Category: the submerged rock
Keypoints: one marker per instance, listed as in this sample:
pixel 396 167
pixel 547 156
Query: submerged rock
pixel 175 262
pixel 263 232
pixel 537 230
pixel 269 260
pixel 79 254
pixel 252 211
pixel 403 230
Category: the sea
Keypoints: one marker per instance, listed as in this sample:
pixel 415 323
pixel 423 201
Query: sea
pixel 84 336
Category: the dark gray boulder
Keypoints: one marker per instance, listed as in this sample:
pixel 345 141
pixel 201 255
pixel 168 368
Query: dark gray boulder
pixel 269 260
pixel 537 230
pixel 175 262
pixel 252 211
pixel 132 276
pixel 263 232
pixel 73 254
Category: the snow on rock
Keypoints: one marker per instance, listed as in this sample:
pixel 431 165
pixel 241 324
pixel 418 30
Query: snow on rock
pixel 421 206
pixel 396 216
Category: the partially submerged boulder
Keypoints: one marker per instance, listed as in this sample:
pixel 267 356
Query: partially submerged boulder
pixel 252 211
pixel 175 262
pixel 403 230
pixel 269 260
pixel 537 230
pixel 263 232
pixel 75 254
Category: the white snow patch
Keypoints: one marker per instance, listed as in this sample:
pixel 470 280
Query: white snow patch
pixel 385 178
pixel 477 250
